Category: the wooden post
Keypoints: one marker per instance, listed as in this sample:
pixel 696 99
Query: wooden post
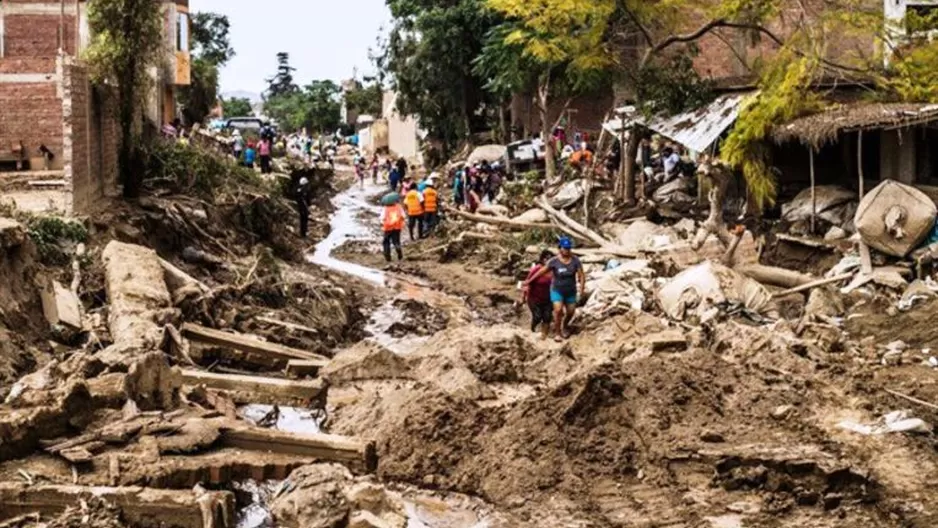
pixel 813 195
pixel 860 160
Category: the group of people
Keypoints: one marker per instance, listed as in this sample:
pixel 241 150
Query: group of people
pixel 552 290
pixel 247 153
pixel 473 184
pixel 420 210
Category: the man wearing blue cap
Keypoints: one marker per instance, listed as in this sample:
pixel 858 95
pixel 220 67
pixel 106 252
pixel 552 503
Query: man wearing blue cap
pixel 568 274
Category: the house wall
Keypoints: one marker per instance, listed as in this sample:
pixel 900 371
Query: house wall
pixel 402 130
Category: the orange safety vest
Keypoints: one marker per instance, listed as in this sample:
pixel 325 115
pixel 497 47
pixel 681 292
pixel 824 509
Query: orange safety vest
pixel 393 218
pixel 430 200
pixel 412 201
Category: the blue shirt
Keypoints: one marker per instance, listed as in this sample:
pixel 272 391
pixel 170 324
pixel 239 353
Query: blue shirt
pixel 249 155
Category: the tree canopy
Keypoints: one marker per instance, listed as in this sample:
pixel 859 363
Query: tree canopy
pixel 127 40
pixel 366 100
pixel 282 81
pixel 315 107
pixel 211 49
pixel 237 107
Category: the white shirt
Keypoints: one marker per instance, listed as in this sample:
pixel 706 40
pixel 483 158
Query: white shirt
pixel 670 163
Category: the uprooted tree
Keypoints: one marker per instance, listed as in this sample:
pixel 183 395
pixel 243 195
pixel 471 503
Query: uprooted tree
pixel 127 41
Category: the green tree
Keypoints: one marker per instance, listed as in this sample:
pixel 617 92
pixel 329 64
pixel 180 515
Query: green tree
pixel 428 58
pixel 316 107
pixel 560 44
pixel 210 39
pixel 366 100
pixel 211 49
pixel 237 107
pixel 127 40
pixel 282 81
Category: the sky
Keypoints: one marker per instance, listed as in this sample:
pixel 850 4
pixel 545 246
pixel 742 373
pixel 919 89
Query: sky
pixel 326 39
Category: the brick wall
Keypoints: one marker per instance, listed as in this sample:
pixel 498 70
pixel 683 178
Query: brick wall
pixel 32 113
pixel 37 35
pixel 587 112
pixel 91 140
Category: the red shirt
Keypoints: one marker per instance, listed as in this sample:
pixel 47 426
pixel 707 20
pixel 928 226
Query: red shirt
pixel 539 291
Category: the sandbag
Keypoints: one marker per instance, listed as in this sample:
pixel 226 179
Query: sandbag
pixel 895 218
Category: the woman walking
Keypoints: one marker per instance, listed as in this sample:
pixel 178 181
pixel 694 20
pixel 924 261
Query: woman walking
pixel 537 295
pixel 568 282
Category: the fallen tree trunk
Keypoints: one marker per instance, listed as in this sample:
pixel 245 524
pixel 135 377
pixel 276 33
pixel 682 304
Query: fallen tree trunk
pixel 252 389
pixel 144 507
pixel 332 448
pixel 814 284
pixel 507 222
pixel 571 224
pixel 775 276
pixel 244 343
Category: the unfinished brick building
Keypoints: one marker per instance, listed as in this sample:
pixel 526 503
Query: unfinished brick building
pixel 48 101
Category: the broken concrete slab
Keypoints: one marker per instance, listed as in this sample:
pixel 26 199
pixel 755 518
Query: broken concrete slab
pixel 241 388
pixel 248 344
pixel 356 454
pixel 143 507
pixel 137 293
pixel 60 305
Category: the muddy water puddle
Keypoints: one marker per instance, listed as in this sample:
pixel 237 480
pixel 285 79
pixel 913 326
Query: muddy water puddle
pixel 289 419
pixel 345 226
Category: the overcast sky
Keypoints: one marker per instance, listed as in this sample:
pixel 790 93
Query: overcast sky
pixel 326 39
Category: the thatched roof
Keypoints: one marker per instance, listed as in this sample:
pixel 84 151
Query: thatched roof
pixel 819 129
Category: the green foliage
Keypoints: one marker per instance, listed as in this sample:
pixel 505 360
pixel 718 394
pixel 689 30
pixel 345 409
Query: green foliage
pixel 210 40
pixel 200 97
pixel 913 77
pixel 52 235
pixel 672 86
pixel 282 81
pixel 315 107
pixel 429 57
pixel 784 94
pixel 127 40
pixel 366 100
pixel 237 107
pixel 190 170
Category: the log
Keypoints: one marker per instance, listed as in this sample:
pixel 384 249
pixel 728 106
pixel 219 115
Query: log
pixel 244 343
pixel 820 244
pixel 332 448
pixel 814 284
pixel 241 387
pixel 176 278
pixel 288 325
pixel 571 224
pixel 775 276
pixel 507 222
pixel 143 507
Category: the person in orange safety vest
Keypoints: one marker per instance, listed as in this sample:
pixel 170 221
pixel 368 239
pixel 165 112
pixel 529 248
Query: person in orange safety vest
pixel 431 205
pixel 393 223
pixel 413 201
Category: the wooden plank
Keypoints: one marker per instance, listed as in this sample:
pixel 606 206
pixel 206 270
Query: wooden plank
pixel 301 368
pixel 815 284
pixel 144 507
pixel 332 448
pixel 245 343
pixel 288 325
pixel 273 388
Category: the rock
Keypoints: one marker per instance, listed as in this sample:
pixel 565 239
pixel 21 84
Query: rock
pixel 364 519
pixel 316 498
pixel 672 339
pixel 824 302
pixel 835 233
pixel 712 437
pixel 365 361
pixel 782 412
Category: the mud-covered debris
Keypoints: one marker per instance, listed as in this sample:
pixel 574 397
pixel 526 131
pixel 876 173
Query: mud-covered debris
pixel 895 218
pixel 313 497
pixel 697 292
pixel 894 422
pixel 365 361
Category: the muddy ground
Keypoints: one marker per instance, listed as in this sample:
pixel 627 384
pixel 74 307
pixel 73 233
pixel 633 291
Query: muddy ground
pixel 480 422
pixel 739 427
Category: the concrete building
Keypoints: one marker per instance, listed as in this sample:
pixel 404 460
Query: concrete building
pixel 48 101
pixel 404 136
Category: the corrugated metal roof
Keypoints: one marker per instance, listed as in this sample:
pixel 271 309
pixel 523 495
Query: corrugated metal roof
pixel 697 129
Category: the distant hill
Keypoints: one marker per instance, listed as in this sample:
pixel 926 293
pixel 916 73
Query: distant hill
pixel 242 94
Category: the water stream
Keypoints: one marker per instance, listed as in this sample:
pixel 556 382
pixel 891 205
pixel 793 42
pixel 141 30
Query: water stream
pixel 423 509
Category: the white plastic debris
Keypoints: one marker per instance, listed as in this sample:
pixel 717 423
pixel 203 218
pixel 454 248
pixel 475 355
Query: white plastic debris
pixel 698 289
pixel 894 422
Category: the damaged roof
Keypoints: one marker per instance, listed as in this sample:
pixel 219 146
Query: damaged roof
pixel 697 129
pixel 816 130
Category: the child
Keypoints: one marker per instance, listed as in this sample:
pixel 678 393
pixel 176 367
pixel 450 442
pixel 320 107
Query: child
pixel 250 155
